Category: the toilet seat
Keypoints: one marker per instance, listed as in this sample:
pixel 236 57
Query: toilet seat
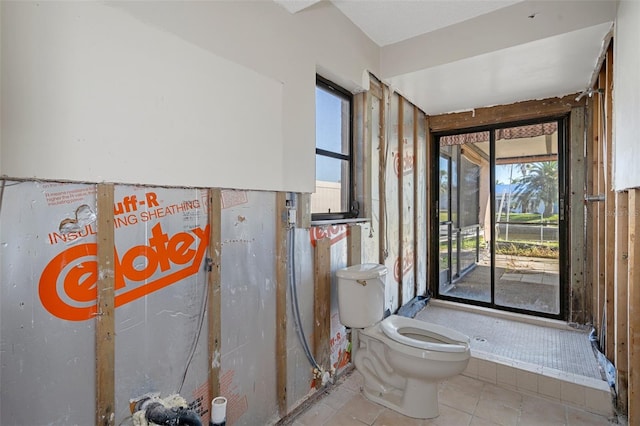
pixel 422 335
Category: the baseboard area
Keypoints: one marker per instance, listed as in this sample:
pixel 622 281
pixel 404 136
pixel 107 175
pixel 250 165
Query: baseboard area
pixel 586 393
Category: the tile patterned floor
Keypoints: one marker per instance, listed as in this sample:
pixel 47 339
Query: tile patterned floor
pixel 560 348
pixel 463 401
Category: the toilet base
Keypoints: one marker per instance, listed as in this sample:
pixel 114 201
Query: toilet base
pixel 419 399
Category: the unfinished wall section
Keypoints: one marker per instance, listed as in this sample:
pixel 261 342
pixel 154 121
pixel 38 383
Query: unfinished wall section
pixel 163 261
pixel 42 225
pixel 612 233
pixel 50 267
pixel 395 138
pixel 248 368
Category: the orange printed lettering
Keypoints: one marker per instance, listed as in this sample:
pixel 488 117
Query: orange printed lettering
pixel 68 284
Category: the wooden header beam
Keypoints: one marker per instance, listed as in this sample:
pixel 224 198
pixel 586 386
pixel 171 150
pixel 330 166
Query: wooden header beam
pixel 520 111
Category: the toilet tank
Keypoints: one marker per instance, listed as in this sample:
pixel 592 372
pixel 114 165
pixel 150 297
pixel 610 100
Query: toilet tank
pixel 361 294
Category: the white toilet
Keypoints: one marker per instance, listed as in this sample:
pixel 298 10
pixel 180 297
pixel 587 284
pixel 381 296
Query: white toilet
pixel 401 359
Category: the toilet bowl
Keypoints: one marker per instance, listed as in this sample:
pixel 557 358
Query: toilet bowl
pixel 401 359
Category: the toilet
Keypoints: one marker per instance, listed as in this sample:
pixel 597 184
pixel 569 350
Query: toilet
pixel 401 359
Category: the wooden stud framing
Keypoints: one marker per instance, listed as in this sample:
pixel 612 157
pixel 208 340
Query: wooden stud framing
pixel 281 302
pixel 609 207
pixel 354 241
pixel 600 288
pixel 359 150
pixel 576 217
pixel 214 281
pixel 633 338
pixel 367 208
pixel 595 213
pixel 429 213
pixel 382 187
pixel 621 298
pixel 590 250
pixel 401 199
pixel 303 216
pixel 376 150
pixel 322 303
pixel 416 198
pixel 105 319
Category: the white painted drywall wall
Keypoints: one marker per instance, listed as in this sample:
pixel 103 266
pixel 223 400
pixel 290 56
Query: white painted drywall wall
pixel 217 94
pixel 626 96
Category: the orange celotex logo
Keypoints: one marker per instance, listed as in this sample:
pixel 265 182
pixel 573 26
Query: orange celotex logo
pixel 68 289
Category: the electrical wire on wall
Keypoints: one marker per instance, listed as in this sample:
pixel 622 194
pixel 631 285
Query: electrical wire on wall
pixel 386 99
pixel 294 299
pixel 196 337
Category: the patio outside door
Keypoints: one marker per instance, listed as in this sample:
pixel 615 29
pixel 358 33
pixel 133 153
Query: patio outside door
pixel 501 223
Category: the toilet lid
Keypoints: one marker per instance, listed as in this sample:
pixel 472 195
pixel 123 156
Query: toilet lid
pixel 422 335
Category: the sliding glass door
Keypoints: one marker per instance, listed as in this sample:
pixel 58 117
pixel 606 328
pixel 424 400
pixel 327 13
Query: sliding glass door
pixel 500 218
pixel 462 243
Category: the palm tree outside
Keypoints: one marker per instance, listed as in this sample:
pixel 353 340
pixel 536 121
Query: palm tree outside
pixel 538 185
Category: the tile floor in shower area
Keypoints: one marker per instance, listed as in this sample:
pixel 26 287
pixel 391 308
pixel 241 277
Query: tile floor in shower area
pixel 523 371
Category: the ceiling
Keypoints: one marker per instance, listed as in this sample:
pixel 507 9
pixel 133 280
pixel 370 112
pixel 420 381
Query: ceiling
pixel 458 55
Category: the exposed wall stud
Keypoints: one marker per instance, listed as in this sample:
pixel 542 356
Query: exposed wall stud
pixel 281 302
pixel 416 198
pixel 401 224
pixel 303 211
pixel 609 207
pixel 322 303
pixel 105 318
pixel 214 282
pixel 576 218
pixel 633 338
pixel 621 299
pixel 590 213
pixel 354 241
pixel 429 216
pixel 382 187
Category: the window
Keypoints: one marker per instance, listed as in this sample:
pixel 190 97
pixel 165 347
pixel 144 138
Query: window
pixel 332 197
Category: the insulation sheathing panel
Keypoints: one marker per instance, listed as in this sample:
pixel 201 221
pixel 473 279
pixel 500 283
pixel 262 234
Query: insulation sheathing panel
pixel 338 343
pixel 49 271
pixel 248 366
pixel 47 336
pixel 404 269
pixel 299 369
pixel 161 236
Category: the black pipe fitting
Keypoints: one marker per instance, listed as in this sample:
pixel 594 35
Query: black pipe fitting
pixel 157 413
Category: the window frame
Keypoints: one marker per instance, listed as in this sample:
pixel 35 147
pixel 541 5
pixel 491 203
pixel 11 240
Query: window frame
pixel 345 95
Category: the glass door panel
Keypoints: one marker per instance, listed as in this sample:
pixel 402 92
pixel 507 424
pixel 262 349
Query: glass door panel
pixel 527 273
pixel 444 203
pixel 464 161
pixel 501 233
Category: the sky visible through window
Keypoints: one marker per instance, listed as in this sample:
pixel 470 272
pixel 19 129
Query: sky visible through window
pixel 328 133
